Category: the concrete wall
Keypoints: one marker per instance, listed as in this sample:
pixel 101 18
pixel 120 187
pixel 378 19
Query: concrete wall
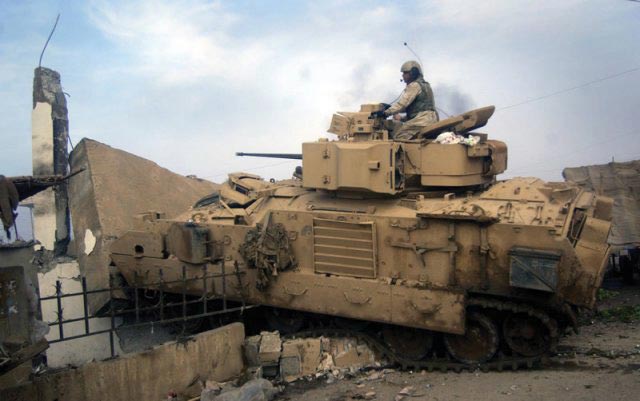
pixel 104 199
pixel 214 355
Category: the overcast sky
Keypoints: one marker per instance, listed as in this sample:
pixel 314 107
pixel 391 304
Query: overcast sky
pixel 188 83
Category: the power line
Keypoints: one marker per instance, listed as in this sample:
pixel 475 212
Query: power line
pixel 623 158
pixel 562 154
pixel 535 99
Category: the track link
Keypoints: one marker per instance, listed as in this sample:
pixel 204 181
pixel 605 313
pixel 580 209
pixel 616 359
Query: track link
pixel 439 363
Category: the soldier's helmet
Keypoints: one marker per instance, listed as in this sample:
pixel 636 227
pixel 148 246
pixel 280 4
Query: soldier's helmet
pixel 409 65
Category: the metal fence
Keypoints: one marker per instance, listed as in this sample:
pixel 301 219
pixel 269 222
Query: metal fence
pixel 166 307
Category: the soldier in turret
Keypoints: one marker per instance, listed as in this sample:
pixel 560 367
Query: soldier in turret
pixel 416 101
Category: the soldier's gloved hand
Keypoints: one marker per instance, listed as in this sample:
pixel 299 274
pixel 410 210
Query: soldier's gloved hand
pixel 378 114
pixel 385 106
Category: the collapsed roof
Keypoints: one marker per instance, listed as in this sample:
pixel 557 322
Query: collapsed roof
pixel 620 181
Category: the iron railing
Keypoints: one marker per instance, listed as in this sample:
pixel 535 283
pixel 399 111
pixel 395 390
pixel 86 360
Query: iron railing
pixel 211 302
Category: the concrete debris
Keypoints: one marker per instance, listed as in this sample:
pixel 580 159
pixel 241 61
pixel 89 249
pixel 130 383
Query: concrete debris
pixel 212 388
pixel 408 391
pixel 252 372
pixel 251 348
pixel 254 390
pixel 115 187
pixel 22 333
pixel 290 362
pixel 309 351
pixel 370 395
pixel 212 385
pixel 327 363
pixel 333 358
pixel 270 348
pixel 373 375
pixel 349 353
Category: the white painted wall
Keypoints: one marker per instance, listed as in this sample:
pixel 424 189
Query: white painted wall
pixel 79 351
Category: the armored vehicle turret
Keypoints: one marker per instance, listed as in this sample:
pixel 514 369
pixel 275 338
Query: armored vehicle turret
pixel 414 240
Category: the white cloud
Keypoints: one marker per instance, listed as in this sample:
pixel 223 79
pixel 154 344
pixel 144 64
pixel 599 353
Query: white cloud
pixel 287 81
pixel 179 42
pixel 270 87
pixel 497 15
pixel 188 82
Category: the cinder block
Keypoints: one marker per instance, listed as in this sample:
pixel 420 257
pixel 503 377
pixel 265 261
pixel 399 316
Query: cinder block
pixel 309 351
pixel 290 365
pixel 347 353
pixel 251 348
pixel 270 348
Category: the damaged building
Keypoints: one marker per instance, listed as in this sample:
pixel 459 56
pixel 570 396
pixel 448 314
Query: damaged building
pixel 72 329
pixel 621 182
pixel 68 273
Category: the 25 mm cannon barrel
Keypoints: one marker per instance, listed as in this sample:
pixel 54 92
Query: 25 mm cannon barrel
pixel 295 156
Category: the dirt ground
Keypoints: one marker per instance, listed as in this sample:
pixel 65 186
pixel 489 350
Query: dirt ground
pixel 601 363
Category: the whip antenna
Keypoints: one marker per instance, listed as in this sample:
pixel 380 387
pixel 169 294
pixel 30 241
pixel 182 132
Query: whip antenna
pixel 414 53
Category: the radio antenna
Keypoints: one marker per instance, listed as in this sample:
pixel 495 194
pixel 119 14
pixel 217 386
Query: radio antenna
pixel 414 53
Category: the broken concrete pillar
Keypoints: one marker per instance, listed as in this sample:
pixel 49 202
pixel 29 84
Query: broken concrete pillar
pixel 116 186
pixel 50 132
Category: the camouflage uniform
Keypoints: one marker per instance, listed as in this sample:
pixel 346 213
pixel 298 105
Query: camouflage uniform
pixel 9 199
pixel 417 101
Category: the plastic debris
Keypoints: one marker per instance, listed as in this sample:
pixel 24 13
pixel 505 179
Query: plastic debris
pixel 254 390
pixel 449 138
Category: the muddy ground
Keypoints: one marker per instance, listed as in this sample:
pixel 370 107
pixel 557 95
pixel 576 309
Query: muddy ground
pixel 601 363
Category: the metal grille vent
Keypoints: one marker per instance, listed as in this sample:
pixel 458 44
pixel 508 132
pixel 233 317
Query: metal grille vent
pixel 346 249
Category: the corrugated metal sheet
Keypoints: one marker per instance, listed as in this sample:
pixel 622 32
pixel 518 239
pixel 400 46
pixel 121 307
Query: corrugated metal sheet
pixel 343 248
pixel 620 181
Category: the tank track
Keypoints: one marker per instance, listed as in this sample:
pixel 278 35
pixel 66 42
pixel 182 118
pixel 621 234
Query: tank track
pixel 499 362
pixel 508 306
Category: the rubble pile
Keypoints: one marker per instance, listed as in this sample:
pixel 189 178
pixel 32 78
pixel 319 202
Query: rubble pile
pixel 292 359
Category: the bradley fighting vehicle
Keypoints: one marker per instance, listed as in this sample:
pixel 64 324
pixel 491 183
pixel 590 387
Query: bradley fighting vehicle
pixel 413 242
